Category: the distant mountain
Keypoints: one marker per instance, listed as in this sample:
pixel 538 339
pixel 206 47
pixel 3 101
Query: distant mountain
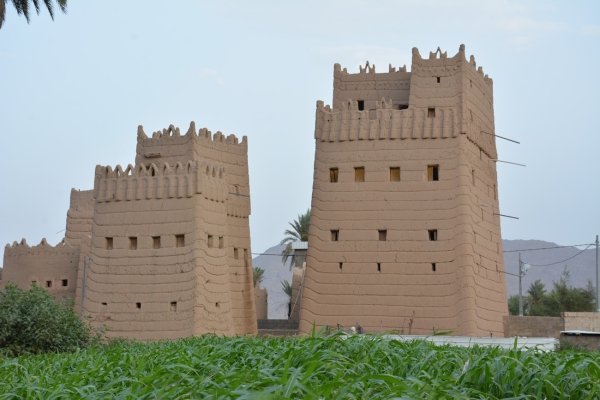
pixel 582 268
pixel 275 272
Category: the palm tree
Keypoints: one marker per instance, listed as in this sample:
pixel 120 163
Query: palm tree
pixel 258 274
pixel 536 291
pixel 22 7
pixel 298 233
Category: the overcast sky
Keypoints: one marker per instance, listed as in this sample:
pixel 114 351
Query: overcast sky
pixel 73 91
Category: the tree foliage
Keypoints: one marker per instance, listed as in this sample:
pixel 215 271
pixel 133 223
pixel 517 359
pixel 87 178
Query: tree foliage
pixel 23 7
pixel 298 233
pixel 258 275
pixel 562 298
pixel 287 288
pixel 32 322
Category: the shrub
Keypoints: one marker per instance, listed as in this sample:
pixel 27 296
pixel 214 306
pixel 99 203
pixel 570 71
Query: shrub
pixel 32 322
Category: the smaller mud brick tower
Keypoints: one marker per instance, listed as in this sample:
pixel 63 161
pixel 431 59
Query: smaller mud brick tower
pixel 404 232
pixel 170 248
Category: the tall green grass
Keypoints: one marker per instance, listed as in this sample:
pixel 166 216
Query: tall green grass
pixel 367 367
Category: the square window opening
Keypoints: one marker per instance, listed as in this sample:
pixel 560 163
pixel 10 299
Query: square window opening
pixel 433 173
pixel 48 284
pixel 218 305
pixel 221 242
pixel 378 267
pixel 382 235
pixel 108 243
pixel 394 174
pixel 431 112
pixel 359 174
pixel 333 175
pixel 133 243
pixel 433 235
pixel 209 241
pixel 156 242
pixel 173 306
pixel 335 235
pixel 433 267
pixel 179 240
pixel 65 282
pixel 438 79
pixel 341 265
pixel 138 306
pixel 361 105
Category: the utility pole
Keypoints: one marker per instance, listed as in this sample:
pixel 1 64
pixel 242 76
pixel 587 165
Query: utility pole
pixel 597 277
pixel 520 287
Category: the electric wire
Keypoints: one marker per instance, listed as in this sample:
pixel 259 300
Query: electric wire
pixel 548 248
pixel 559 262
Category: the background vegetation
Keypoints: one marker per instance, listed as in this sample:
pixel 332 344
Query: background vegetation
pixel 562 298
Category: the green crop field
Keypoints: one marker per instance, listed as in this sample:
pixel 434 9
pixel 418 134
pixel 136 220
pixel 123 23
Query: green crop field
pixel 367 367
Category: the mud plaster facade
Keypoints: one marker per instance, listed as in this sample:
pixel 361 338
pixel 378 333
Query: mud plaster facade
pixel 162 248
pixel 404 207
pixel 261 301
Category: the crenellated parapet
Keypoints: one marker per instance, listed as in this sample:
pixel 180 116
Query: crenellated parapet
pixel 171 136
pixel 153 182
pixel 44 249
pixel 174 132
pixel 382 123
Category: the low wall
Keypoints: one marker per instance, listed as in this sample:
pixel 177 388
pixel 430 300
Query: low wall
pixel 582 341
pixel 533 326
pixel 278 324
pixel 582 321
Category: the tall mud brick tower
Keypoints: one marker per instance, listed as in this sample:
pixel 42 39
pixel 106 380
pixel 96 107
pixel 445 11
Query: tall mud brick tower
pixel 170 248
pixel 404 231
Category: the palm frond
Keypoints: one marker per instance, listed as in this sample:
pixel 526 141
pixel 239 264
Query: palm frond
pixel 22 7
pixel 258 275
pixel 287 288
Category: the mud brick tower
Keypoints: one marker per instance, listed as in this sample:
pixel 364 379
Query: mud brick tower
pixel 404 231
pixel 170 247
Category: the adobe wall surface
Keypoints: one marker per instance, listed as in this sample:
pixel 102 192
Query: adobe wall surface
pixel 381 284
pixel 52 267
pixel 169 146
pixel 202 284
pixel 515 325
pixel 582 321
pixel 261 299
pixel 79 216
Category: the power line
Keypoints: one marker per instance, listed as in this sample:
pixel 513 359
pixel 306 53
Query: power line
pixel 547 265
pixel 548 248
